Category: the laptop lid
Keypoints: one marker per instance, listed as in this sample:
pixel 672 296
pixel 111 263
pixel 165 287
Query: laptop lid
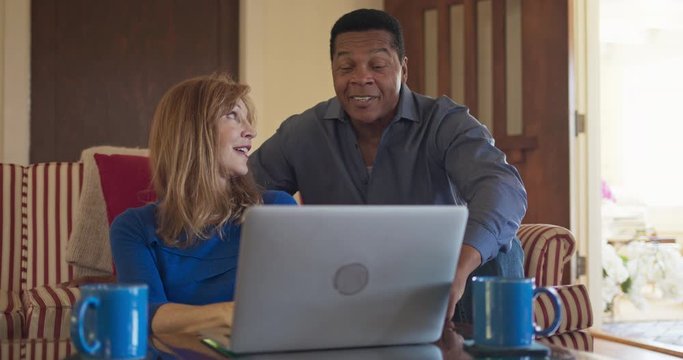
pixel 321 277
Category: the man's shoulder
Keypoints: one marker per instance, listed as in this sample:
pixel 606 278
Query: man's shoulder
pixel 447 105
pixel 310 124
pixel 438 108
pixel 314 114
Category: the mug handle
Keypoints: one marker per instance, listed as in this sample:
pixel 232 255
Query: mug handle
pixel 78 325
pixel 555 300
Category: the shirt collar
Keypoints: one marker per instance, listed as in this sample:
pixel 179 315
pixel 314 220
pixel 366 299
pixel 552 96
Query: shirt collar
pixel 406 108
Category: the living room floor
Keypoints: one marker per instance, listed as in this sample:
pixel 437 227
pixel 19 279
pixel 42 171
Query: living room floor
pixel 664 331
pixel 660 324
pixel 616 350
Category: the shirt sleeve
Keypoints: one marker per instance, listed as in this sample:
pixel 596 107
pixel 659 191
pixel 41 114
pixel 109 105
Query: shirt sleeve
pixel 270 167
pixel 492 188
pixel 133 257
pixel 272 197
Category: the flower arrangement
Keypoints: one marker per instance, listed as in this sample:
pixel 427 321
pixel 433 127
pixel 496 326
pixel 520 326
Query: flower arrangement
pixel 657 268
pixel 616 279
pixel 639 268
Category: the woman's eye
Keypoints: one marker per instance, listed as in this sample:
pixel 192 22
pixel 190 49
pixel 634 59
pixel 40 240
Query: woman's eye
pixel 231 116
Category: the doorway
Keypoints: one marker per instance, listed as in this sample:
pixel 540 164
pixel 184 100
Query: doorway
pixel 640 52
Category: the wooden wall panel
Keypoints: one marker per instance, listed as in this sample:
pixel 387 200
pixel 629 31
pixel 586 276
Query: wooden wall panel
pixel 541 152
pixel 545 110
pixel 98 68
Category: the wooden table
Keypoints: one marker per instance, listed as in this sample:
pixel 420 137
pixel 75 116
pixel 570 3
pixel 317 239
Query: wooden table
pixel 186 346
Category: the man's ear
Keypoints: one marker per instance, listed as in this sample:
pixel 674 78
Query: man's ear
pixel 404 69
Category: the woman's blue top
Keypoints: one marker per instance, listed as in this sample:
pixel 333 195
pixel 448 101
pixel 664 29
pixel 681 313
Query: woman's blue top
pixel 202 274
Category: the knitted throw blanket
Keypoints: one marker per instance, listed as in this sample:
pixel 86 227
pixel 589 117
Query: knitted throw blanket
pixel 88 249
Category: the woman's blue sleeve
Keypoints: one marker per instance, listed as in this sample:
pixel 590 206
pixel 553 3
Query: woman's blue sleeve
pixel 275 197
pixel 134 259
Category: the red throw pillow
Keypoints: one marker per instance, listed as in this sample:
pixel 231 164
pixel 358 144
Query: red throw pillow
pixel 126 182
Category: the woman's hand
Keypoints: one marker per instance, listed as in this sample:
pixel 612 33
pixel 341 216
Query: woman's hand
pixel 182 318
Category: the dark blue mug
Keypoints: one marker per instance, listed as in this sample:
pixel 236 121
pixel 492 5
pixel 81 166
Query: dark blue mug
pixel 110 321
pixel 503 315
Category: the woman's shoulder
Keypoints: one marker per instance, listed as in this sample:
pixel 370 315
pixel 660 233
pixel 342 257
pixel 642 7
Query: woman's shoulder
pixel 273 197
pixel 139 215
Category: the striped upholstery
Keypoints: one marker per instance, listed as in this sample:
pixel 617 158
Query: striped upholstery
pixel 48 350
pixel 578 340
pixel 11 194
pixel 547 248
pixel 32 349
pixel 48 309
pixel 12 350
pixel 12 315
pixel 53 192
pixel 576 310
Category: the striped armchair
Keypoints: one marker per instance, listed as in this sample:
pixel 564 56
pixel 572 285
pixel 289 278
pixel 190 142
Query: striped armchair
pixel 36 214
pixel 547 249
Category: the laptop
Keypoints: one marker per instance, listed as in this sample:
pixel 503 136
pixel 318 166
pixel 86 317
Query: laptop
pixel 326 277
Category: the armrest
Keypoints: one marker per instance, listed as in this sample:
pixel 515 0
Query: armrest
pixel 577 313
pixel 11 315
pixel 546 249
pixel 48 310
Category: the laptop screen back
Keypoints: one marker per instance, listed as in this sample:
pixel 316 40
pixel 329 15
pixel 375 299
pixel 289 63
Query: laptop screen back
pixel 319 277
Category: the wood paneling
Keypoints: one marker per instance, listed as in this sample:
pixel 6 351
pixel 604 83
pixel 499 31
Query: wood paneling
pixel 541 152
pixel 545 109
pixel 98 68
pixel 411 16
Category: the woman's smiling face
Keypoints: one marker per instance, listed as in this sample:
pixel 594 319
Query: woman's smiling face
pixel 234 140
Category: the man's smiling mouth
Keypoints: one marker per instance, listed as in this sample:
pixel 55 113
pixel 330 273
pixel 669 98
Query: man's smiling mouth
pixel 363 98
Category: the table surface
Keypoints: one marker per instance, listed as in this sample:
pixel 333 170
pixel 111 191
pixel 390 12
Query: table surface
pixel 182 346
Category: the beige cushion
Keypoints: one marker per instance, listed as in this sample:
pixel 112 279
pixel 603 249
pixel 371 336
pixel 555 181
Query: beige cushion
pixel 88 248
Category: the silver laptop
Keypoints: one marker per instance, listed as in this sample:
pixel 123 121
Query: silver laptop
pixel 324 277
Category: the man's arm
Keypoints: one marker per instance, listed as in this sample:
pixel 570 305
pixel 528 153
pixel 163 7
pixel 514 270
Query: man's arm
pixel 469 260
pixel 491 187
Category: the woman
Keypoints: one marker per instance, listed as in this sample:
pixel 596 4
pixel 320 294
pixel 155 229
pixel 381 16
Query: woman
pixel 185 245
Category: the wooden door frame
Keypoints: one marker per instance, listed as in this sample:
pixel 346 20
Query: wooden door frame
pixel 585 151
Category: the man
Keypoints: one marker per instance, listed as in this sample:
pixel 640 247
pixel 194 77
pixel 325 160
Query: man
pixel 377 142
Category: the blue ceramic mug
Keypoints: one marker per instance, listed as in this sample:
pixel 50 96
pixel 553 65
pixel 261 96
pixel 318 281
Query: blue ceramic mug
pixel 503 313
pixel 110 321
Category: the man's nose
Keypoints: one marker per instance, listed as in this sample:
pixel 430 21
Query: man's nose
pixel 362 76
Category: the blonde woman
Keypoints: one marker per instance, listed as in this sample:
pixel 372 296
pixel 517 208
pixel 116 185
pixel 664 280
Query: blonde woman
pixel 185 245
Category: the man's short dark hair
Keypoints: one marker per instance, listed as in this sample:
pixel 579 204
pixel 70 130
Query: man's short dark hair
pixel 368 19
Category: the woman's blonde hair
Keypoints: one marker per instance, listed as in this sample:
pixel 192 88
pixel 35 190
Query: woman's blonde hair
pixel 195 201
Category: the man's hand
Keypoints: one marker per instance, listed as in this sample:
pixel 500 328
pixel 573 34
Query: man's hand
pixel 470 259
